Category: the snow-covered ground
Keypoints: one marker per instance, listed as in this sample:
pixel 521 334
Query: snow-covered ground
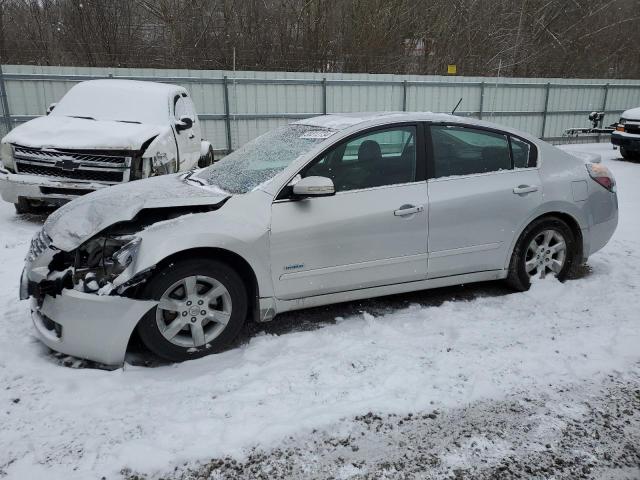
pixel 310 378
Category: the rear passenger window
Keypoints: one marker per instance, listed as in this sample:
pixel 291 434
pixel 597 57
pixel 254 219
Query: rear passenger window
pixel 383 157
pixel 523 157
pixel 465 151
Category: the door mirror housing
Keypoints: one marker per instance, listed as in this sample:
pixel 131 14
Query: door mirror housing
pixel 51 107
pixel 185 123
pixel 314 187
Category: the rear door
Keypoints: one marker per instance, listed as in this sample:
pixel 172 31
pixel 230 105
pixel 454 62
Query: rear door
pixel 483 185
pixel 372 232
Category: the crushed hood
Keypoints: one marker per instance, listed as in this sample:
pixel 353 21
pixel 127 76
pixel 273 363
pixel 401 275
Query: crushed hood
pixel 79 220
pixel 78 133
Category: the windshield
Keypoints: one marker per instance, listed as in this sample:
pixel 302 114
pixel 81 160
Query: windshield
pixel 130 102
pixel 261 159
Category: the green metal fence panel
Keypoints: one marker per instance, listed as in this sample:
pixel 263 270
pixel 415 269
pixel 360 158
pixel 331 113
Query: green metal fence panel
pixel 251 103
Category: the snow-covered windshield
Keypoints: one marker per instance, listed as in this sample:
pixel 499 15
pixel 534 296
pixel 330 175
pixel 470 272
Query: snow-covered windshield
pixel 262 158
pixel 117 100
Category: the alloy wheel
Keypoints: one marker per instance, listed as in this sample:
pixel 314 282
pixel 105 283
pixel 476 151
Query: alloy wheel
pixel 193 311
pixel 547 252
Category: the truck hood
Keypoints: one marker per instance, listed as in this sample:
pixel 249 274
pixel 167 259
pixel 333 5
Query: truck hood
pixel 79 220
pixel 78 133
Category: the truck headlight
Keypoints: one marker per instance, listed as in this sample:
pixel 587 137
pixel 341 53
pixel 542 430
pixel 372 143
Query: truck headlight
pixel 6 153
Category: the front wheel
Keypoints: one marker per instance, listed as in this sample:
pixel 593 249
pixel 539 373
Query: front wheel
pixel 23 206
pixel 202 305
pixel 546 247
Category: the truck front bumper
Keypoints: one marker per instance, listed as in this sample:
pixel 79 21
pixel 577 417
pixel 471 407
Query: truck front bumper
pixel 14 186
pixel 628 141
pixel 88 326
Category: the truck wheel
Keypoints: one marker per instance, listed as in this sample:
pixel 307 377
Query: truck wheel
pixel 207 159
pixel 627 155
pixel 202 305
pixel 23 206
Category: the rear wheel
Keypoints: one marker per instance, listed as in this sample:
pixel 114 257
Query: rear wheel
pixel 207 159
pixel 628 155
pixel 546 247
pixel 202 305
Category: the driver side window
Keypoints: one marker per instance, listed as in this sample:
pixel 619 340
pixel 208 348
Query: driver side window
pixel 374 159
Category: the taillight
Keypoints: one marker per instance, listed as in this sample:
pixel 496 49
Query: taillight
pixel 602 175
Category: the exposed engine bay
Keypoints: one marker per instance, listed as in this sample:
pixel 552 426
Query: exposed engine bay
pixel 95 265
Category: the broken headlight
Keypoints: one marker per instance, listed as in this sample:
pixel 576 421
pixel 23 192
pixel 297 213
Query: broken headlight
pixel 100 260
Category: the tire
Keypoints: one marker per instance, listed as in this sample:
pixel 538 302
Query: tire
pixel 627 155
pixel 23 206
pixel 207 159
pixel 228 299
pixel 525 256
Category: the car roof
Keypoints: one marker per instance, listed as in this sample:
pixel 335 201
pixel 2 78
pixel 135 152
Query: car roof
pixel 163 89
pixel 357 121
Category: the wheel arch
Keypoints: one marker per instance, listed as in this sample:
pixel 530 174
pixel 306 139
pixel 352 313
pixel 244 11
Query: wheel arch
pixel 569 219
pixel 234 260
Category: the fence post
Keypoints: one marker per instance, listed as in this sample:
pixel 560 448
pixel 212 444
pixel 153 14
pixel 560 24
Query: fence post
pixel 6 114
pixel 481 100
pixel 404 96
pixel 324 95
pixel 546 109
pixel 227 116
pixel 604 102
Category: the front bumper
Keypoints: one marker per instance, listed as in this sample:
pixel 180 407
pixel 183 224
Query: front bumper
pixel 88 326
pixel 626 140
pixel 14 186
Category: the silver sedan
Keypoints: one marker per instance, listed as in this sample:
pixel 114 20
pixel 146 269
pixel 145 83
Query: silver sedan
pixel 328 209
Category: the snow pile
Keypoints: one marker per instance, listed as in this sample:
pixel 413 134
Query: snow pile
pixel 67 423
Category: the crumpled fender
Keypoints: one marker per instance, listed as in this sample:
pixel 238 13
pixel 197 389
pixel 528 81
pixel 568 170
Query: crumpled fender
pixel 162 152
pixel 224 229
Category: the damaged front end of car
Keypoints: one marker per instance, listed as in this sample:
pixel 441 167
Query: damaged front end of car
pixel 86 301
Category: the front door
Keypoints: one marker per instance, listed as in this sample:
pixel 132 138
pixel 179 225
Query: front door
pixel 372 232
pixel 485 185
pixel 188 140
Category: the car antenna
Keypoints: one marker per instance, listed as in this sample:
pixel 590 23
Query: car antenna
pixel 456 107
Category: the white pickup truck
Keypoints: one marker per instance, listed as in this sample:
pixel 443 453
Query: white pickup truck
pixel 101 133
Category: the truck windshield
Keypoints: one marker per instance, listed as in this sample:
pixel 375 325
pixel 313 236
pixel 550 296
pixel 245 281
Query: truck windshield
pixel 119 101
pixel 263 158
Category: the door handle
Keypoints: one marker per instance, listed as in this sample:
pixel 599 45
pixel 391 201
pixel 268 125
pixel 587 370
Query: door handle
pixel 524 189
pixel 408 210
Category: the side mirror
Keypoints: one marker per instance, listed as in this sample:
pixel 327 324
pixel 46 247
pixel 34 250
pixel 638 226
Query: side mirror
pixel 314 187
pixel 51 107
pixel 185 123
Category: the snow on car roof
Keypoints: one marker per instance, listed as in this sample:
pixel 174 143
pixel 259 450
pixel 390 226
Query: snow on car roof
pixel 119 100
pixel 129 86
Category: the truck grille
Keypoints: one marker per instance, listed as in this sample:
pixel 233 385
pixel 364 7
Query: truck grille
pixel 80 174
pixel 107 167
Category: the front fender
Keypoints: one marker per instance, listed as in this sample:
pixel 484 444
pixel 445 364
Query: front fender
pixel 162 151
pixel 222 229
